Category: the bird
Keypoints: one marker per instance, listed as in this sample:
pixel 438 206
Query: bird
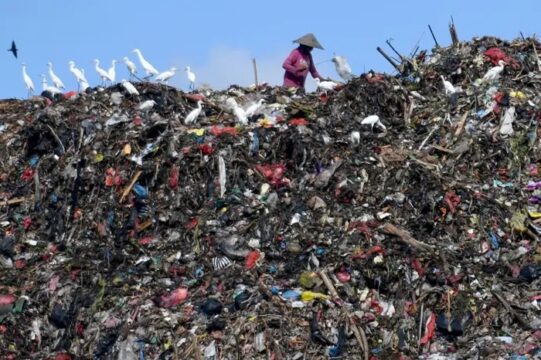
pixel 325 85
pixel 342 67
pixel 14 49
pixel 238 111
pixel 104 75
pixel 192 116
pixel 191 77
pixel 79 74
pixel 55 79
pixel 27 81
pixel 112 72
pixel 449 88
pixel 166 75
pixel 45 87
pixel 129 87
pixel 130 65
pixel 494 73
pixel 83 84
pixel 373 120
pixel 147 105
pixel 252 109
pixel 149 69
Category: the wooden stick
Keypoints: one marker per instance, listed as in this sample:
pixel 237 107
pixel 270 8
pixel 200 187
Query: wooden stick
pixel 15 201
pixel 406 237
pixel 129 187
pixel 536 56
pixel 510 310
pixel 460 124
pixel 255 72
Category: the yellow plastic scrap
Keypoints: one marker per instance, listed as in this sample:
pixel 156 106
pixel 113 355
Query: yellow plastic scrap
pixel 534 214
pixel 310 295
pixel 126 150
pixel 98 158
pixel 517 222
pixel 197 132
pixel 167 345
pixel 519 95
pixel 265 122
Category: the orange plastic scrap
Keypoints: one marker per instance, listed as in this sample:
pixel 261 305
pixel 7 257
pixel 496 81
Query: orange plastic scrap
pixel 220 130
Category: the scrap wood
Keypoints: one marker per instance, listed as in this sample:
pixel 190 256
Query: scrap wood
pixel 406 237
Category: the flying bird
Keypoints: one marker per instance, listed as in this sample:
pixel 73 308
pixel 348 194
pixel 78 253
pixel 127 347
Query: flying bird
pixel 55 79
pixel 45 87
pixel 104 75
pixel 252 109
pixel 373 120
pixel 14 49
pixel 494 73
pixel 326 85
pixel 166 75
pixel 149 69
pixel 27 81
pixel 112 72
pixel 129 87
pixel 342 67
pixel 130 65
pixel 194 114
pixel 191 76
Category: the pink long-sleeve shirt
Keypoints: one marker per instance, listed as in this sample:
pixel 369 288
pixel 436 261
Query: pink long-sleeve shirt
pixel 294 76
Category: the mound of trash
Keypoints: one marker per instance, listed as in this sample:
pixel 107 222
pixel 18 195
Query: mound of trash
pixel 298 230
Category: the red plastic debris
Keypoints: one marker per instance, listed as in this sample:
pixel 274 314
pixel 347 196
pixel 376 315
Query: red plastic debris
pixel 20 263
pixel 206 149
pixel 452 200
pixel 273 173
pixel 194 97
pixel 173 177
pixel 112 178
pixel 430 329
pixel 80 329
pixel 3 329
pixel 416 265
pixel 27 222
pixel 495 54
pixel 192 224
pixel 298 122
pixel 220 130
pixel 146 240
pixel 28 174
pixel 174 298
pixel 251 259
pixel 137 121
pixel 70 94
pixel 7 299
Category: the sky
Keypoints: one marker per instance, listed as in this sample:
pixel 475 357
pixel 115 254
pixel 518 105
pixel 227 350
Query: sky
pixel 219 39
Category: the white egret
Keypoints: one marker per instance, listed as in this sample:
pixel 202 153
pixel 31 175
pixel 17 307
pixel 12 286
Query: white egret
pixel 194 114
pixel 355 138
pixel 373 120
pixel 45 87
pixel 342 67
pixel 449 88
pixel 112 72
pixel 326 85
pixel 130 65
pixel 104 75
pixel 27 81
pixel 83 84
pixel 55 79
pixel 494 73
pixel 252 109
pixel 149 69
pixel 191 77
pixel 239 112
pixel 129 87
pixel 79 74
pixel 166 75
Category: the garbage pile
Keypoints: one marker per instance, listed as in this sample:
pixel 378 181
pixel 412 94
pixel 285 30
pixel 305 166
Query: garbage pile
pixel 293 232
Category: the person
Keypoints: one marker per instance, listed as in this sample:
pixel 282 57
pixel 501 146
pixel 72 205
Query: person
pixel 300 62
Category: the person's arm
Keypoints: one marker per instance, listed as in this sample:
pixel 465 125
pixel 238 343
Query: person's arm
pixel 289 63
pixel 313 70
